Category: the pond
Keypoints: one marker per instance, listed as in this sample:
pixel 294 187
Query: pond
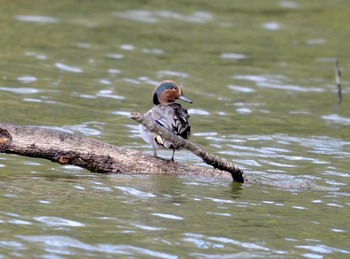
pixel 262 78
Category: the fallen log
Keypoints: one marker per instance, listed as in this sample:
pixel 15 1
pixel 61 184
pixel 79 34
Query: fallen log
pixel 95 156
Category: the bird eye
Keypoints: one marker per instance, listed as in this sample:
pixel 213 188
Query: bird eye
pixel 173 88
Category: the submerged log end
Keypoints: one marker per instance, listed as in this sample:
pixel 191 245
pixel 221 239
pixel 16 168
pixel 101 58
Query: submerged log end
pixel 237 175
pixel 5 139
pixel 234 170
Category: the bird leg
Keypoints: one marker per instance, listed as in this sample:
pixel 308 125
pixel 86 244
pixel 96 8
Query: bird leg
pixel 172 157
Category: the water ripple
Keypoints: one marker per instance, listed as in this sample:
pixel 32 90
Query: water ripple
pixel 131 81
pixel 295 88
pixel 127 47
pixel 137 15
pixel 196 17
pixel 198 111
pixel 289 4
pixel 104 81
pixel 83 129
pixel 168 216
pixel 35 19
pixel 275 82
pixel 205 242
pixel 19 222
pixel 10 244
pixel 68 68
pixel 336 174
pixel 115 56
pixel 20 90
pixel 36 55
pixel 122 113
pixel 218 200
pixel 239 243
pixel 317 41
pixel 272 26
pixel 106 93
pixel 242 89
pixel 235 56
pixel 128 249
pixel 26 79
pixel 269 162
pixel 135 192
pixel 114 71
pixel 61 245
pixel 149 228
pixel 335 118
pixel 164 73
pixel 153 51
pixel 56 221
pixel 153 16
pixel 323 249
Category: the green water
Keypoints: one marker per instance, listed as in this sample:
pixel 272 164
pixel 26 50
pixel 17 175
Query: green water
pixel 261 75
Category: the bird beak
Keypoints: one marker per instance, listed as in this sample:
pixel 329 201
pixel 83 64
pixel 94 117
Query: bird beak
pixel 183 98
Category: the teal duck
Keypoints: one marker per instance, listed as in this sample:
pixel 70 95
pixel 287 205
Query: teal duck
pixel 169 114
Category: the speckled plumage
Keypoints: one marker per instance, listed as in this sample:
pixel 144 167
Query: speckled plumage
pixel 169 114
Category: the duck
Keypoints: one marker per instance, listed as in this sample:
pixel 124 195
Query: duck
pixel 169 114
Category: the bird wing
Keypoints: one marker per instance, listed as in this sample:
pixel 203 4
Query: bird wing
pixel 174 118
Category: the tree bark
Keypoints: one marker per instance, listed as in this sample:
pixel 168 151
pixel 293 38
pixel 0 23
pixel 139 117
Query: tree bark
pixel 93 155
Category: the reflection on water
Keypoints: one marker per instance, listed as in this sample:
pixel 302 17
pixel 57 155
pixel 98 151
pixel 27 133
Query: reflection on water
pixel 275 82
pixel 55 221
pixel 154 17
pixel 20 90
pixel 335 118
pixel 272 26
pixel 35 18
pixel 262 80
pixel 68 68
pixel 66 246
pixel 144 216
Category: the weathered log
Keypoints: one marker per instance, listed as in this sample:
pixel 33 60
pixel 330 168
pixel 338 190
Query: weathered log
pixel 95 156
pixel 215 161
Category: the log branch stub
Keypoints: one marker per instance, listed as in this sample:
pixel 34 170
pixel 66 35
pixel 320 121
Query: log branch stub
pixel 215 161
pixel 337 80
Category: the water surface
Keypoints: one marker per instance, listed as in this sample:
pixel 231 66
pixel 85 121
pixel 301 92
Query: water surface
pixel 261 75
